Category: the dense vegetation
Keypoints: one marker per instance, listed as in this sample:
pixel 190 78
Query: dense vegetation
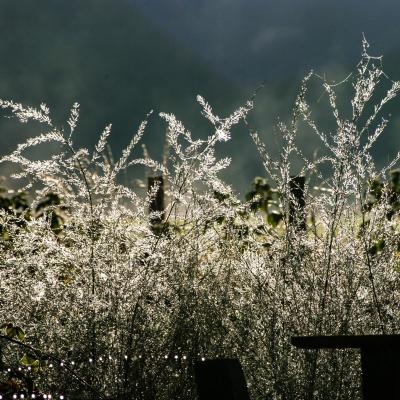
pixel 97 302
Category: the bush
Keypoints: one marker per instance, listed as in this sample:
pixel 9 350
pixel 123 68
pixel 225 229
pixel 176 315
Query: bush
pixel 114 307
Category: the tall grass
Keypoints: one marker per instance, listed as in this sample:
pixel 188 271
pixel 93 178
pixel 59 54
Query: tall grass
pixel 114 307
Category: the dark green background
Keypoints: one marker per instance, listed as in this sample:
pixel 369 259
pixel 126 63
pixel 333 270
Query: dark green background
pixel 121 58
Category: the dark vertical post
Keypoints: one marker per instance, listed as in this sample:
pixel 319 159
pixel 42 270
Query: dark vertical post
pixel 297 202
pixel 157 202
pixel 380 372
pixel 220 379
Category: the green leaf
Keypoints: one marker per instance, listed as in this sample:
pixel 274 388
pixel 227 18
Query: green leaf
pixel 4 232
pixel 56 222
pixel 377 247
pixel 51 199
pixel 13 331
pixel 250 195
pixel 260 184
pixel 20 333
pixel 35 366
pixel 4 326
pixel 395 180
pixel 221 219
pixel 28 360
pixel 10 330
pixel 274 217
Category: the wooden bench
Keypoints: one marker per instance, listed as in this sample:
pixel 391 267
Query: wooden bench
pixel 380 360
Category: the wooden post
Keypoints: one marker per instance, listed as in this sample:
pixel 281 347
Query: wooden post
pixel 157 202
pixel 220 379
pixel 297 202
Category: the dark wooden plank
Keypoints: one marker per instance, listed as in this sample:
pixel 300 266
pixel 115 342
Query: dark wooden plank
pixel 343 342
pixel 297 216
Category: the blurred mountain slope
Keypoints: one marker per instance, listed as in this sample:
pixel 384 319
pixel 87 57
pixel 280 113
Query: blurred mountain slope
pixel 109 58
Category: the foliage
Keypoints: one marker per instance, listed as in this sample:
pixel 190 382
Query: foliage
pixel 115 307
pixel 266 199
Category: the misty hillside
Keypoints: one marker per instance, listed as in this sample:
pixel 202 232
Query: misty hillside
pixel 109 58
